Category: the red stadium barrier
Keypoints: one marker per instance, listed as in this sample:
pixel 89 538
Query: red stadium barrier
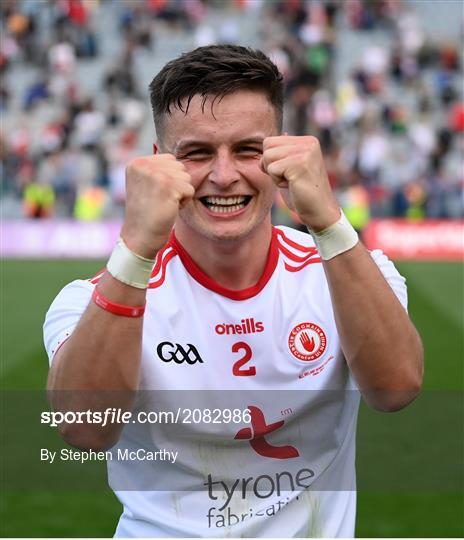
pixel 424 240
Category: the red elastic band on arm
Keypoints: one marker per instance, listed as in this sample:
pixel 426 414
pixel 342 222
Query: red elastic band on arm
pixel 117 309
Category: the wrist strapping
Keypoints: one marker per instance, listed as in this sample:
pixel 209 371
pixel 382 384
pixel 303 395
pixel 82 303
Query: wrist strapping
pixel 336 239
pixel 116 309
pixel 128 267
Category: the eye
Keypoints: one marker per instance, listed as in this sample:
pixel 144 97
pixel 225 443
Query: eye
pixel 249 151
pixel 199 153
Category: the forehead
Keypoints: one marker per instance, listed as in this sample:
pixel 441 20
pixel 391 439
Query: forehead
pixel 235 115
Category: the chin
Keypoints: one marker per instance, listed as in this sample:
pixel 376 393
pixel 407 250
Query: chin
pixel 221 233
pixel 231 231
pixel 231 235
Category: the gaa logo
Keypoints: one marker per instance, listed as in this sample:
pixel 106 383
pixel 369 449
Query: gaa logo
pixel 169 352
pixel 307 341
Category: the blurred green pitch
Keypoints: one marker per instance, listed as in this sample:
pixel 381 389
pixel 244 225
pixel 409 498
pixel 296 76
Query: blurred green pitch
pixel 28 287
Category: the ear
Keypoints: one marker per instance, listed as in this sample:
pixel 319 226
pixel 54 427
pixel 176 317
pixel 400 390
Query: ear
pixel 155 148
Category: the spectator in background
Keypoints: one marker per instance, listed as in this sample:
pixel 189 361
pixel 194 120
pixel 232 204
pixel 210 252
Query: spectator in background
pixel 118 156
pixel 396 120
pixel 38 200
pixel 62 65
pixel 88 125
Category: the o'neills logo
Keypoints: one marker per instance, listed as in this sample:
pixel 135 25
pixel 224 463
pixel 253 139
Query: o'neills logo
pixel 246 326
pixel 307 341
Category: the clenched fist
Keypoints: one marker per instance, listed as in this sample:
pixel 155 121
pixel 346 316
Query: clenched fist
pixel 156 188
pixel 296 166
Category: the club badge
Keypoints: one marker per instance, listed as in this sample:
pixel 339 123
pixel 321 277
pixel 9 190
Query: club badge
pixel 307 341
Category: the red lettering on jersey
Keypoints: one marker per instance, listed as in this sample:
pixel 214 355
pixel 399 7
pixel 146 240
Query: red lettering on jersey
pixel 246 326
pixel 256 434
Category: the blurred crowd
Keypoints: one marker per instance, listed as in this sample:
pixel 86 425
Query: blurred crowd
pixel 391 126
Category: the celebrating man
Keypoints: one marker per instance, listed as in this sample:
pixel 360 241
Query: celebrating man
pixel 202 294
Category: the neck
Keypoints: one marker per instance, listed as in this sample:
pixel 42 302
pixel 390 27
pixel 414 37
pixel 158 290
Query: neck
pixel 233 264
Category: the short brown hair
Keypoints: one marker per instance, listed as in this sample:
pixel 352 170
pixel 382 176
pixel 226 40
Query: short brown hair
pixel 215 70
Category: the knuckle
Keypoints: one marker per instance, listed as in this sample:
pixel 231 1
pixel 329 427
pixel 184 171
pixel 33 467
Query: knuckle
pixel 268 142
pixel 269 156
pixel 164 180
pixel 180 166
pixel 272 169
pixel 312 141
pixel 133 166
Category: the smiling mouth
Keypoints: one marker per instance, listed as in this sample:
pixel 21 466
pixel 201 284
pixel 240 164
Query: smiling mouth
pixel 224 205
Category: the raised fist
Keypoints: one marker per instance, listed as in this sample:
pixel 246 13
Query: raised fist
pixel 156 188
pixel 296 166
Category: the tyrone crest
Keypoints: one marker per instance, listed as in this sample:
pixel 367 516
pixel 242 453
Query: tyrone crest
pixel 307 341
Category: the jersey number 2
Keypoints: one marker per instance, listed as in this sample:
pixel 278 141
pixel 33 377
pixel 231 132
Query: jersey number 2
pixel 237 368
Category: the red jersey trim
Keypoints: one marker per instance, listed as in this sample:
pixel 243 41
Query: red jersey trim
pixel 198 275
pixel 60 344
pixel 291 268
pixel 310 256
pixel 96 278
pixel 293 244
pixel 295 257
pixel 158 261
pixel 161 263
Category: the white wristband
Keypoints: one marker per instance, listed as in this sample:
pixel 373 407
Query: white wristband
pixel 128 267
pixel 336 239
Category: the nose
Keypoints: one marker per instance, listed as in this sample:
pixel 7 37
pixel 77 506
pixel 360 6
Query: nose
pixel 223 170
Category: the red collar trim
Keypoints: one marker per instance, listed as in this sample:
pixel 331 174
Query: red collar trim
pixel 198 275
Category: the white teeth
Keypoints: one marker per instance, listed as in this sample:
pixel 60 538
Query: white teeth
pixel 225 201
pixel 226 209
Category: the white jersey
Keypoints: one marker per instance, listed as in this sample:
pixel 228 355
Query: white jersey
pixel 265 404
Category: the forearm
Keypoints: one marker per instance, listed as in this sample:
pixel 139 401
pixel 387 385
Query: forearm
pixel 99 365
pixel 381 345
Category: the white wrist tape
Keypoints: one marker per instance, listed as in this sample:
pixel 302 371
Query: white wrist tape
pixel 336 239
pixel 128 267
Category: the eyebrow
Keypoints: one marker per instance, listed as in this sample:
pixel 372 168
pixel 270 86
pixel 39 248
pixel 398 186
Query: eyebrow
pixel 183 145
pixel 251 140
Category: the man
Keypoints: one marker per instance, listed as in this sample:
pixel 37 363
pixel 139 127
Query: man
pixel 270 336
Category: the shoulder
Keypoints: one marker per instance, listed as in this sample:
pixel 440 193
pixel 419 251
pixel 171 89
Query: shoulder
pixel 64 314
pixel 396 281
pixel 75 289
pixel 296 248
pixel 73 298
pixel 294 236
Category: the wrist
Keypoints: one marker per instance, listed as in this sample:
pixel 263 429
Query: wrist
pixel 143 245
pixel 321 223
pixel 335 239
pixel 129 267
